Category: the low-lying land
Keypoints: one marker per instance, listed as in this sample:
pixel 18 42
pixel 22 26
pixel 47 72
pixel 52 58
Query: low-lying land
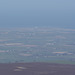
pixel 36 69
pixel 37 45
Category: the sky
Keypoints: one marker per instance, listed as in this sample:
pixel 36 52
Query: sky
pixel 40 13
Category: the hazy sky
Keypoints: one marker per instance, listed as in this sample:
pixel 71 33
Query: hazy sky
pixel 31 13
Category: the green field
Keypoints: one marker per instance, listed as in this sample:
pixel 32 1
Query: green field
pixel 37 45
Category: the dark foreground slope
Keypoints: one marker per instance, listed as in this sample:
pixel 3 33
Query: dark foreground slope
pixel 36 69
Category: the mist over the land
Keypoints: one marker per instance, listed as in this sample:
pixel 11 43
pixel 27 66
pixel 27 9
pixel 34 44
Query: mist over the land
pixel 41 13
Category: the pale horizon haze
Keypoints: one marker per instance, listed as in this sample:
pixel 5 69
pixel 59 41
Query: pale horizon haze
pixel 41 13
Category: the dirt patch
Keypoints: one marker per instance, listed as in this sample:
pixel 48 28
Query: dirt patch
pixel 36 69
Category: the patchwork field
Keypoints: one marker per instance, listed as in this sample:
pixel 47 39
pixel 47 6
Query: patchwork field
pixel 37 45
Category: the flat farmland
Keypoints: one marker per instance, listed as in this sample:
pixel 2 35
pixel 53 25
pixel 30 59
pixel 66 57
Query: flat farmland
pixel 37 45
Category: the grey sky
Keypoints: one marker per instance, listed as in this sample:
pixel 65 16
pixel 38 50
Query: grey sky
pixel 57 13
